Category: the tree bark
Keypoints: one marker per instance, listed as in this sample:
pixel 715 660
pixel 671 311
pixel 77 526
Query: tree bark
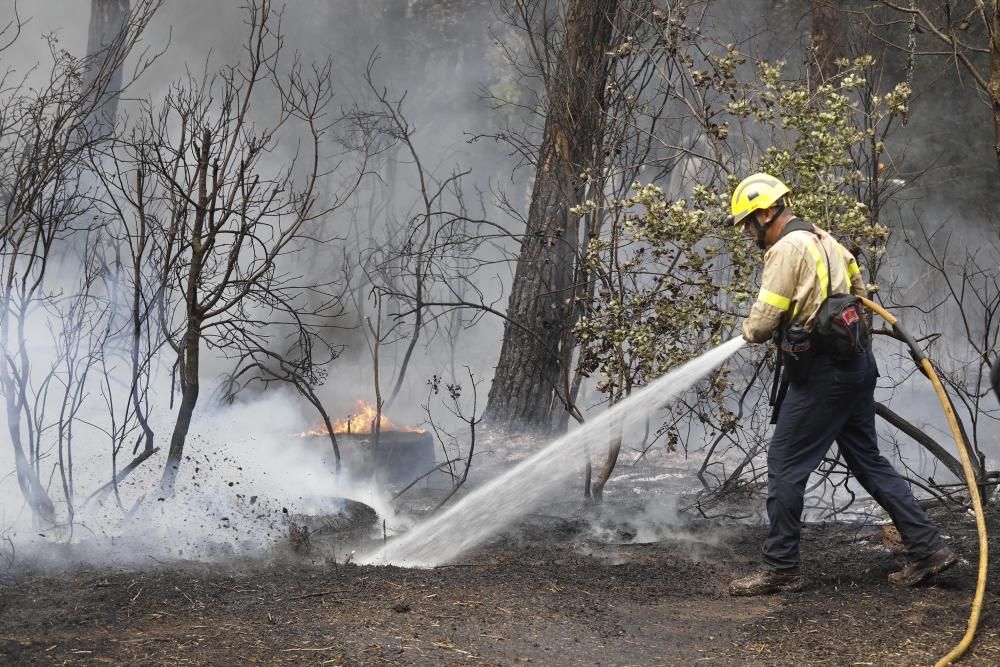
pixel 189 352
pixel 614 449
pixel 27 477
pixel 190 386
pixel 995 78
pixel 107 18
pixel 526 387
pixel 828 39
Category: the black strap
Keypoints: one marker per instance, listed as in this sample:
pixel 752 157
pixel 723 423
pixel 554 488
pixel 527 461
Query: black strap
pixel 796 225
pixel 778 363
pixel 779 387
pixel 782 390
pixel 800 225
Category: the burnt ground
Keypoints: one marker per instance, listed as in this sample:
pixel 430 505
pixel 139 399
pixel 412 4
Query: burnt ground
pixel 546 593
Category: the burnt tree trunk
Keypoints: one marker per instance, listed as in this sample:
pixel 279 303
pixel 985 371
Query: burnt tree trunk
pixel 13 377
pixel 190 385
pixel 828 39
pixel 104 42
pixel 526 390
pixel 994 86
pixel 189 348
pixel 610 461
pixel 32 486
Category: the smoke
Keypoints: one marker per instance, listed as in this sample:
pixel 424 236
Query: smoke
pixel 246 476
pixel 434 59
pixel 245 472
pixel 538 479
pixel 659 522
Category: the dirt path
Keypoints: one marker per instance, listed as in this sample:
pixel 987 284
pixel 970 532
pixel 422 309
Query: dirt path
pixel 542 597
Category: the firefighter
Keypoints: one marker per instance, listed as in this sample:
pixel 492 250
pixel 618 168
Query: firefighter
pixel 826 399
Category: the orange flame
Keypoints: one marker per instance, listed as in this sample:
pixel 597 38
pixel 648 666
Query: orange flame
pixel 360 421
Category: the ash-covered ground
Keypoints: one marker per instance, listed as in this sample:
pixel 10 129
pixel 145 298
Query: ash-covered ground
pixel 634 581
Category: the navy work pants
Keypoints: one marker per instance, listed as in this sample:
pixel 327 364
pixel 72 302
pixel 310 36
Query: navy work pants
pixel 835 403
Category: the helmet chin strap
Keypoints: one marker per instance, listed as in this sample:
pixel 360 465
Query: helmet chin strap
pixel 762 228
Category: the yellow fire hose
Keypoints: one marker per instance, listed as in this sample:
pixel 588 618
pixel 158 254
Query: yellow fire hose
pixel 970 480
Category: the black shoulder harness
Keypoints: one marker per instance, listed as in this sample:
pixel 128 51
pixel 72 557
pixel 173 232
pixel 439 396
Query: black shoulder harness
pixel 795 225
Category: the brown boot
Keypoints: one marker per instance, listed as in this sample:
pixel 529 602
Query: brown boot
pixel 766 582
pixel 919 570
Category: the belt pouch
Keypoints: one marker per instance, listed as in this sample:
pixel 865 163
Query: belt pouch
pixel 797 352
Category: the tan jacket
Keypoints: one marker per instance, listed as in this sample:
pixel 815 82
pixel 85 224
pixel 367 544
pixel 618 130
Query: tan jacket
pixel 794 283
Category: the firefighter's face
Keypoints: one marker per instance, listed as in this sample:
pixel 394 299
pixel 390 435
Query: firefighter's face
pixel 758 232
pixel 749 228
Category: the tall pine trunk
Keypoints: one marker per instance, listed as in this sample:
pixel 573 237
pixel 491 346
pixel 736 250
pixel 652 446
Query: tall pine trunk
pixel 994 87
pixel 829 41
pixel 527 391
pixel 107 18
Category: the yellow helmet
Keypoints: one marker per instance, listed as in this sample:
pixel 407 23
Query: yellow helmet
pixel 755 193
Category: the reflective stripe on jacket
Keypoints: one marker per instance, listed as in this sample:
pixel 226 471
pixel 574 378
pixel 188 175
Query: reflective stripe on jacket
pixel 794 282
